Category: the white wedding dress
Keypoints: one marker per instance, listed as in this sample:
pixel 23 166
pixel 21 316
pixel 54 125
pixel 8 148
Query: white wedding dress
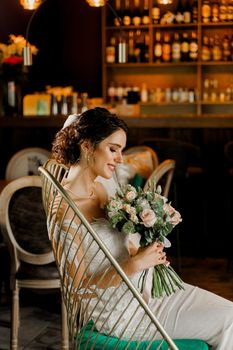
pixel 192 313
pixel 189 313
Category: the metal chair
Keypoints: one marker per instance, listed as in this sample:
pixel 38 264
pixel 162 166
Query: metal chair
pixel 23 225
pixel 73 238
pixel 163 173
pixel 26 162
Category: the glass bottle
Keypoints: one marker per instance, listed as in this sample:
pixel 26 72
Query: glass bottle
pixel 117 20
pixel 54 105
pixel 215 11
pixel 155 13
pixel 145 13
pixel 206 11
pixel 136 18
pixel 126 19
pixel 193 47
pixel 176 48
pixel 131 46
pixel 195 12
pixel 217 51
pixel 166 48
pixel 205 54
pixel 179 13
pixel 111 51
pixel 187 14
pixel 226 51
pixel 84 102
pixel 230 11
pixel 158 47
pixel 111 92
pixel 223 11
pixel 64 105
pixel 184 47
pixel 74 103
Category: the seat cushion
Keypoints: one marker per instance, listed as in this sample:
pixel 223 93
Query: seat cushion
pixel 89 336
pixel 37 272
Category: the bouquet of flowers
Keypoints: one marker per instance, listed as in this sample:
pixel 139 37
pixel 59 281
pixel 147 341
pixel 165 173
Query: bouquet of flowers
pixel 12 53
pixel 133 211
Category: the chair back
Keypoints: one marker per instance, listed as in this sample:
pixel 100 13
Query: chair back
pixel 139 161
pixel 163 175
pixel 84 262
pixel 26 162
pixel 23 223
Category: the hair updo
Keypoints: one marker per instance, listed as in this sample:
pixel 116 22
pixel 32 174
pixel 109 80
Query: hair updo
pixel 94 125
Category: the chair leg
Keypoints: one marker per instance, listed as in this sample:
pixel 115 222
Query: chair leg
pixel 15 318
pixel 64 326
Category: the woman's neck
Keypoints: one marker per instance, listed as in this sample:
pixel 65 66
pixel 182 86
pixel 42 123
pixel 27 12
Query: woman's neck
pixel 81 180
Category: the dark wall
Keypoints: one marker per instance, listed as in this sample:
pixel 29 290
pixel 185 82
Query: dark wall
pixel 68 36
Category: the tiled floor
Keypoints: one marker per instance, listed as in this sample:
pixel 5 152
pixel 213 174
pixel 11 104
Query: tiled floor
pixel 40 319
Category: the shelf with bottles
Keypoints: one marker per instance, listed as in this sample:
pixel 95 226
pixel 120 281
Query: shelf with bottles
pixel 217 11
pixel 217 47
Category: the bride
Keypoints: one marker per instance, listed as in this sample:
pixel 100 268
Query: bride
pixel 91 144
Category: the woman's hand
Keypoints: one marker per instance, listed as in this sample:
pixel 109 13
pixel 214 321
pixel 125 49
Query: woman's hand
pixel 149 256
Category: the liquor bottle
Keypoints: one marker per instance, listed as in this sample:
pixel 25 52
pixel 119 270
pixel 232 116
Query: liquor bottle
pixel 126 17
pixel 145 13
pixel 215 11
pixel 231 49
pixel 206 53
pixel 155 13
pixel 158 47
pixel 146 47
pixel 195 12
pixel 131 57
pixel 84 102
pixel 226 50
pixel 223 11
pixel 117 20
pixel 54 105
pixel 136 18
pixel 217 51
pixel 193 47
pixel 139 47
pixel 166 48
pixel 206 11
pixel 230 11
pixel 211 45
pixel 64 105
pixel 180 13
pixel 184 47
pixel 111 92
pixel 111 51
pixel 144 95
pixel 187 14
pixel 74 103
pixel 176 48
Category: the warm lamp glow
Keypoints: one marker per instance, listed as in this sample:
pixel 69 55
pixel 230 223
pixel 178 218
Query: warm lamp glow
pixel 165 2
pixel 30 4
pixel 96 3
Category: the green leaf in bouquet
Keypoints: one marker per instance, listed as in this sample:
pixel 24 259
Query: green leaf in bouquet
pixel 128 227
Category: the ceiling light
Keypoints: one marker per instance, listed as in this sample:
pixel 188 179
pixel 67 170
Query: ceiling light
pixel 30 4
pixel 96 3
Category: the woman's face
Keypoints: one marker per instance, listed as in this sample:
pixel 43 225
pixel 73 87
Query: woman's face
pixel 108 154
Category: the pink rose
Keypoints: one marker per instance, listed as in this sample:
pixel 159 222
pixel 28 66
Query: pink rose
pixel 148 217
pixel 130 196
pixel 175 216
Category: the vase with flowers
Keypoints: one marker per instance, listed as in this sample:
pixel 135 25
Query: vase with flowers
pixel 13 74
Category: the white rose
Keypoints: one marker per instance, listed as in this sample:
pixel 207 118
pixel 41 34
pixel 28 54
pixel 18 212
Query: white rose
pixel 148 217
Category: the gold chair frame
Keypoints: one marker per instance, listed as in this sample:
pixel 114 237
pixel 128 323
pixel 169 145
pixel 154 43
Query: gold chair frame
pixel 64 238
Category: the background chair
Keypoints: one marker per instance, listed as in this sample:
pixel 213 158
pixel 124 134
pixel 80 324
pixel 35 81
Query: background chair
pixel 23 224
pixel 139 163
pixel 79 285
pixel 26 162
pixel 163 175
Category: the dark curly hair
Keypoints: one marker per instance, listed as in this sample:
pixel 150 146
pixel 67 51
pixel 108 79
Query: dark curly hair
pixel 94 125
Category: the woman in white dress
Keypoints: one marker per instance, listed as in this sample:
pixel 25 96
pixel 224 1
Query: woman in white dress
pixel 91 145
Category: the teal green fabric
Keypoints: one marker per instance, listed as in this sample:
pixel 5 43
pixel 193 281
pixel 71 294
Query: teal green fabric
pixel 137 181
pixel 89 336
